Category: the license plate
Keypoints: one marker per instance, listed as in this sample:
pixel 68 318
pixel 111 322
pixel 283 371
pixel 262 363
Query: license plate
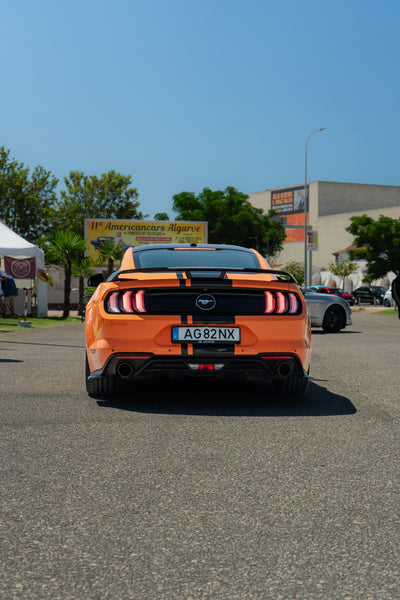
pixel 206 335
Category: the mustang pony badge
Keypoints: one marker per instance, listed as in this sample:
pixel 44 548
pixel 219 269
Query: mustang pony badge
pixel 205 302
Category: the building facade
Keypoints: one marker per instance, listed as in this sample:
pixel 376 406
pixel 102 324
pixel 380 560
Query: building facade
pixel 331 205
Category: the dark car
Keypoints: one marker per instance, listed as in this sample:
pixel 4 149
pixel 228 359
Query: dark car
pixel 373 294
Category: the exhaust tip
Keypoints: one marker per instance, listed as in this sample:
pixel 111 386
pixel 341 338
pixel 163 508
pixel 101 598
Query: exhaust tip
pixel 124 370
pixel 285 368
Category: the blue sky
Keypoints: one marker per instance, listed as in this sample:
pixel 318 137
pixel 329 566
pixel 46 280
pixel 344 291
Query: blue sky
pixel 187 94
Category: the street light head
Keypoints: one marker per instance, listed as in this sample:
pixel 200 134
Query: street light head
pixel 312 132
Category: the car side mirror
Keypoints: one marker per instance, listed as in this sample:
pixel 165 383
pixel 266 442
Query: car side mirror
pixel 95 280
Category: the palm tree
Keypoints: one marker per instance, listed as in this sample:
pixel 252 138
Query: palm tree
pixel 66 249
pixel 82 269
pixel 109 252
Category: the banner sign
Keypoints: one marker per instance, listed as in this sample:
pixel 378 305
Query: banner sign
pixel 289 203
pixel 20 268
pixel 131 233
pixel 312 241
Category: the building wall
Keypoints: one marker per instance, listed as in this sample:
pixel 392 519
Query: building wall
pixel 331 206
pixel 55 293
pixel 337 198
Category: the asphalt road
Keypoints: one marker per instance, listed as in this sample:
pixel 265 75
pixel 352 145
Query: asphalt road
pixel 201 491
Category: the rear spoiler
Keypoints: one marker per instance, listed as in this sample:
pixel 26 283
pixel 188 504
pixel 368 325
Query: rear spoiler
pixel 196 272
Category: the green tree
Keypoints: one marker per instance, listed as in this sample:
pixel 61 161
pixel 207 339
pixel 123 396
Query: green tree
pixel 27 201
pixel 343 268
pixel 161 216
pixel 378 243
pixel 66 248
pixel 109 196
pixel 232 219
pixel 82 268
pixel 296 269
pixel 110 252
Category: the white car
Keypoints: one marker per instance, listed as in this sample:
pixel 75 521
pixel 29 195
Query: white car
pixel 332 313
pixel 388 300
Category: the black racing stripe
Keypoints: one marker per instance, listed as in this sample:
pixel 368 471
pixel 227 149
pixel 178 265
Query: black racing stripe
pixel 220 319
pixel 182 280
pixel 184 347
pixel 215 283
pixel 203 350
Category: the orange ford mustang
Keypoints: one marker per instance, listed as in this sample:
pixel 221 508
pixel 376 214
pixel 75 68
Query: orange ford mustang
pixel 197 310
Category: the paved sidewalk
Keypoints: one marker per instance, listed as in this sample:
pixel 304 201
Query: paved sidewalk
pixel 369 308
pixel 59 313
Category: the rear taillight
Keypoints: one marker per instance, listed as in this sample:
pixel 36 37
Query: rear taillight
pixel 126 302
pixel 281 303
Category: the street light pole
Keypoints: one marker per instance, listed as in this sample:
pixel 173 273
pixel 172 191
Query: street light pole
pixel 307 273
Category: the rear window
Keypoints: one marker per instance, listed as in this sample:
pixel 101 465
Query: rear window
pixel 196 257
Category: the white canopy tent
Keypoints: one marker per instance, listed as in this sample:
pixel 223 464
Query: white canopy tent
pixel 12 244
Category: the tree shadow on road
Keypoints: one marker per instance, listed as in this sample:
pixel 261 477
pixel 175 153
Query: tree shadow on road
pixel 216 398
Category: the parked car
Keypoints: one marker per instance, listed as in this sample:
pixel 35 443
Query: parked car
pixel 337 292
pixel 388 299
pixel 328 311
pixel 196 310
pixel 373 294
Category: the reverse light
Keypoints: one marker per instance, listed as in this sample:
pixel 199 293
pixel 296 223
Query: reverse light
pixel 113 303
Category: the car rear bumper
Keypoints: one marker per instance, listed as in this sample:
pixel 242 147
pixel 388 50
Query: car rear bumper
pixel 266 366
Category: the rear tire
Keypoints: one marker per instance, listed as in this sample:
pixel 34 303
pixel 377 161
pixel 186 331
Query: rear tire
pixel 333 320
pixel 294 385
pixel 99 388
